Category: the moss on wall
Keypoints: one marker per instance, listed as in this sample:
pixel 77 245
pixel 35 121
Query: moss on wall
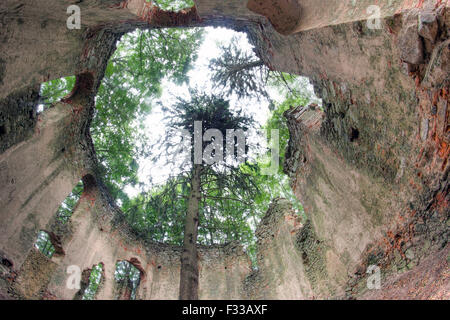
pixel 34 276
pixel 312 251
pixel 17 116
pixel 2 70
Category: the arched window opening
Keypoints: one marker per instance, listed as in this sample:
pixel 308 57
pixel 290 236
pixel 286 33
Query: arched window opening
pixel 127 278
pixel 89 183
pixel 93 283
pixel 44 244
pixel 6 265
pixel 53 91
pixel 66 208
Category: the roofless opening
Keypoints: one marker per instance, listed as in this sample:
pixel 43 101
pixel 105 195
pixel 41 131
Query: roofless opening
pixel 148 78
pixel 180 115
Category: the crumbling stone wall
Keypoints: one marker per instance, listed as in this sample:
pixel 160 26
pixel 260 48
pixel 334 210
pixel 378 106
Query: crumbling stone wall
pixel 280 273
pixel 36 177
pixel 347 209
pixel 34 276
pixel 38 173
pixel 371 168
pixel 93 236
pixel 98 236
pixel 17 117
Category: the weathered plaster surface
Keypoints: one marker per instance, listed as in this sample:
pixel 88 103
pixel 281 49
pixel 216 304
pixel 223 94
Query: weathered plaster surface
pixel 371 168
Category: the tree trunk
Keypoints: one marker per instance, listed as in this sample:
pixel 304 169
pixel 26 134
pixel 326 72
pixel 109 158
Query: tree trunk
pixel 189 260
pixel 246 66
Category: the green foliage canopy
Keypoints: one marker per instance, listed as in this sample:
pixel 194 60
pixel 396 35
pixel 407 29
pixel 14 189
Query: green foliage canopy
pixel 130 88
pixel 227 190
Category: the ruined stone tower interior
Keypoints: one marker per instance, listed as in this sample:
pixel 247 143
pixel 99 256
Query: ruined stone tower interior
pixel 370 166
